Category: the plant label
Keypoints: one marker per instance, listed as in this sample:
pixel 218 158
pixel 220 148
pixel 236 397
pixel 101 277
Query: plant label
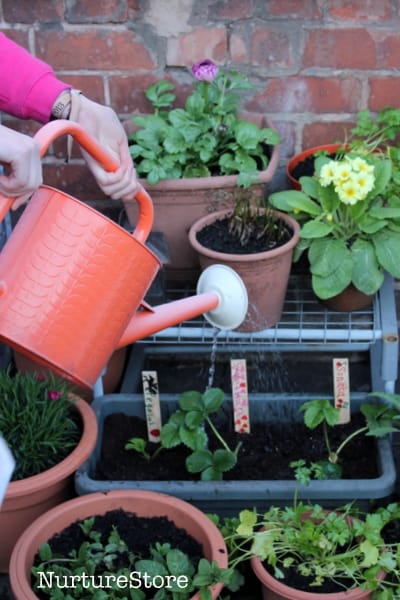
pixel 341 388
pixel 240 395
pixel 152 405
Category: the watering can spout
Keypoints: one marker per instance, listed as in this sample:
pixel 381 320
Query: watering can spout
pixel 221 298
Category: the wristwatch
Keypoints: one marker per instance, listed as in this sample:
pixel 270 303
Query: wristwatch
pixel 66 105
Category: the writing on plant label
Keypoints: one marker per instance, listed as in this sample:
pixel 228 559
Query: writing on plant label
pixel 240 395
pixel 341 388
pixel 152 405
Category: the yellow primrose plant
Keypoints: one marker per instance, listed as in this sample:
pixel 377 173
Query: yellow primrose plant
pixel 349 227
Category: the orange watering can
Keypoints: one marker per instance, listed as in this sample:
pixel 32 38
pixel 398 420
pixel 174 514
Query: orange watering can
pixel 72 281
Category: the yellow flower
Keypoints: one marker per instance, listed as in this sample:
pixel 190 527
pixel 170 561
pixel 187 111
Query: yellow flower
pixel 364 182
pixel 349 192
pixel 343 171
pixel 327 173
pixel 359 164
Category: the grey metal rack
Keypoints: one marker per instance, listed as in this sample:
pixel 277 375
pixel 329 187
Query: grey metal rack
pixel 305 326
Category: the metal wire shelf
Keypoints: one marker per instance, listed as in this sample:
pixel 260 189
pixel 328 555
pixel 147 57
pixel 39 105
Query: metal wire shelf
pixel 304 320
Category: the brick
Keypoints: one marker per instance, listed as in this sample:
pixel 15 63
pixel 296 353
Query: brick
pixel 299 9
pixel 325 132
pixel 357 10
pixel 95 49
pixel 388 50
pixel 308 94
pixel 231 9
pixel 101 11
pixel 384 91
pixel 339 49
pixel 90 85
pixel 270 47
pixel 237 48
pixel 127 93
pixel 26 11
pixel 287 131
pixel 186 49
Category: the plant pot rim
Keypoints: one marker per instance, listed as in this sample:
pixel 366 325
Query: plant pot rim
pixel 210 218
pixel 301 156
pixel 59 517
pixel 67 466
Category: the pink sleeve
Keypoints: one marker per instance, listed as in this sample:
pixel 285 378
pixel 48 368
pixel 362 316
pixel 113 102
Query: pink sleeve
pixel 28 86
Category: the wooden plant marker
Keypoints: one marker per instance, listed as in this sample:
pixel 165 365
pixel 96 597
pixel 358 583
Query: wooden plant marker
pixel 341 388
pixel 240 395
pixel 152 405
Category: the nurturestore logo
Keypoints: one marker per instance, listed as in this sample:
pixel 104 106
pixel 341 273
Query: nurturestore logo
pixel 135 580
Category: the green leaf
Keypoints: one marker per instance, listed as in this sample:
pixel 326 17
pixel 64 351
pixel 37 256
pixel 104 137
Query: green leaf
pixel 223 460
pixel 195 439
pixel 45 552
pixel 191 400
pixel 178 563
pixel 367 274
pixel 327 255
pixel 212 400
pixel 290 200
pixel 315 229
pixel 318 411
pixel 247 134
pixel 387 247
pixel 169 435
pixel 199 460
pixel 335 282
pixel 151 567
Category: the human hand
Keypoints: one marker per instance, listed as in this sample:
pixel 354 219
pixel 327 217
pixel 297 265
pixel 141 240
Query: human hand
pixel 20 155
pixel 103 124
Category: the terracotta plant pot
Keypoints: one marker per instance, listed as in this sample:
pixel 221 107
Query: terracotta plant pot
pixel 349 300
pixel 144 504
pixel 178 203
pixel 302 156
pixel 265 274
pixel 28 498
pixel 272 589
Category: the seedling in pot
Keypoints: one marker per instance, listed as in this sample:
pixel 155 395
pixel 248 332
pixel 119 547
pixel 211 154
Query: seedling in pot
pixel 189 425
pixel 380 420
pixel 116 567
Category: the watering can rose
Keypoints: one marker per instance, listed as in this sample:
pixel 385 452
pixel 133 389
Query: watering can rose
pixel 350 226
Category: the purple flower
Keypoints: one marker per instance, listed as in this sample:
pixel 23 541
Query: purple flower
pixel 54 395
pixel 205 70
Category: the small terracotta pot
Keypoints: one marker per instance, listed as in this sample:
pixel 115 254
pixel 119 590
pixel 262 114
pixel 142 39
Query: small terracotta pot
pixel 272 589
pixel 265 274
pixel 28 498
pixel 302 156
pixel 144 504
pixel 349 300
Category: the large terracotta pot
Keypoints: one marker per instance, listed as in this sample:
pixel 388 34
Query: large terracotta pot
pixel 144 504
pixel 302 156
pixel 265 274
pixel 28 498
pixel 180 202
pixel 273 589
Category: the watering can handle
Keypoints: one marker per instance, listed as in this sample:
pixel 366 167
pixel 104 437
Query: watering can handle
pixel 54 129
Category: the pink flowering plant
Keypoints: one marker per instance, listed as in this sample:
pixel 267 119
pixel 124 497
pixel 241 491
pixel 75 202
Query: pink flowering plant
pixel 36 421
pixel 350 227
pixel 206 137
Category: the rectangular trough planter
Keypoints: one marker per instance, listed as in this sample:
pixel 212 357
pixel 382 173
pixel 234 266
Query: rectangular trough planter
pixel 228 497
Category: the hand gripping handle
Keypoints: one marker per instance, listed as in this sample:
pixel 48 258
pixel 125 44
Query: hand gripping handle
pixel 48 133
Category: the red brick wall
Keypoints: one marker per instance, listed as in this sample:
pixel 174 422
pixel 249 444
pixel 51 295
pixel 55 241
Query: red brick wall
pixel 314 63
